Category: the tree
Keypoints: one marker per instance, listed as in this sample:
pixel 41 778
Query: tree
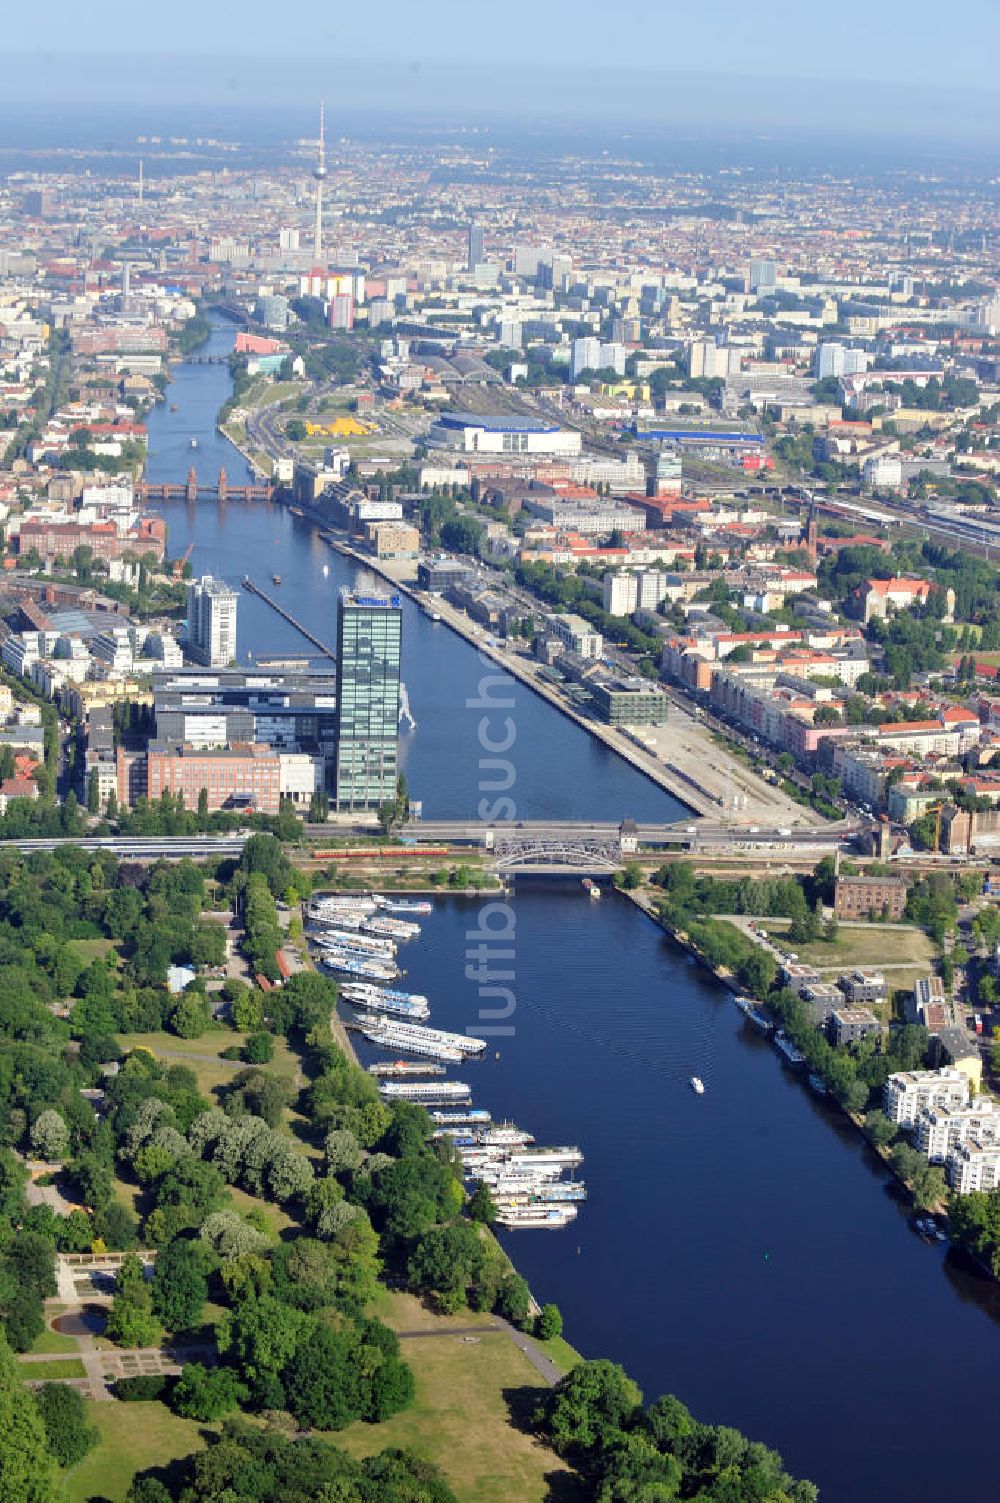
pixel 514 1301
pixel 881 1129
pixel 191 1017
pixel 323 1384
pixel 28 1471
pixel 232 1238
pixel 259 1049
pixel 203 1393
pixel 482 1206
pixel 590 1406
pixel 131 1322
pixel 549 1323
pixel 65 1419
pixel 49 1135
pixel 343 1152
pixel 179 1287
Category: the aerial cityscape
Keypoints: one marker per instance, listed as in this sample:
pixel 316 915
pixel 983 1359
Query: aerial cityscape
pixel 499 735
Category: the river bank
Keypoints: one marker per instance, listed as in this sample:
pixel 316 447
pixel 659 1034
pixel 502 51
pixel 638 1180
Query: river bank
pixel 730 1251
pixel 456 621
pixel 726 978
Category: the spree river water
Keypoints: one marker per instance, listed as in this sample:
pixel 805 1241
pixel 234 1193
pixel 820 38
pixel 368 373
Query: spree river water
pixel 742 1249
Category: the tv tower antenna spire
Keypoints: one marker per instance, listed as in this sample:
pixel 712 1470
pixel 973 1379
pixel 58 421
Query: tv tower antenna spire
pixel 319 173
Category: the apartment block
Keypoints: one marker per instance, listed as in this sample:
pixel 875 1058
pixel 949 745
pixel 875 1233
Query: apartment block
pixel 908 1092
pixel 940 1128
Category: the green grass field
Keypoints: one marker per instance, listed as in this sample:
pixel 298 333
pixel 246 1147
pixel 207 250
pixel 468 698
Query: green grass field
pixel 53 1341
pixel 133 1437
pixel 460 1419
pixel 863 945
pixel 59 1367
pixel 91 949
pixel 203 1055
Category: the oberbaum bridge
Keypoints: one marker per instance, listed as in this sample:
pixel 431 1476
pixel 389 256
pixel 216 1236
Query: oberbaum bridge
pixel 191 490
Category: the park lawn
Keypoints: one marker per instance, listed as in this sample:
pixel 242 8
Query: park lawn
pixel 59 1367
pixel 92 949
pixel 863 945
pixel 460 1420
pixel 407 1312
pixel 277 1219
pixel 559 1351
pixel 203 1055
pixel 54 1341
pixel 133 1437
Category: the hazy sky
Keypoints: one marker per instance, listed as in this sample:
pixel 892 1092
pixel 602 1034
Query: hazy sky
pixel 898 62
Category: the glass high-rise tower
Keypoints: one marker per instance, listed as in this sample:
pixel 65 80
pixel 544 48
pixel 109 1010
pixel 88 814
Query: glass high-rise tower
pixel 369 634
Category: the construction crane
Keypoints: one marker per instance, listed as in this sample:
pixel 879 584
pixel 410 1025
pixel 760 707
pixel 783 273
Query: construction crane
pixel 181 563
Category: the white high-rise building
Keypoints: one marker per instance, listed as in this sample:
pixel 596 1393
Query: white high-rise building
pixel 833 359
pixel 620 594
pixel 586 355
pixel 763 274
pixel 211 610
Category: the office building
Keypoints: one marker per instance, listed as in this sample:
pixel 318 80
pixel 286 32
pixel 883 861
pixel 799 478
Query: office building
pixel 369 633
pixel 629 702
pixel 293 711
pixel 476 246
pixel 233 776
pixel 211 622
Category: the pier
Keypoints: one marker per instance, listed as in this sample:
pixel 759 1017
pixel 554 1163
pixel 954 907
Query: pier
pixel 254 589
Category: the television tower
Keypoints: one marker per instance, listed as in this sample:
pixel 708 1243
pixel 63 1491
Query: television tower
pixel 319 173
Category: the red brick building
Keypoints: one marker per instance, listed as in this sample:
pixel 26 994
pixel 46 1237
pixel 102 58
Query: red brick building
pixel 61 539
pixel 245 774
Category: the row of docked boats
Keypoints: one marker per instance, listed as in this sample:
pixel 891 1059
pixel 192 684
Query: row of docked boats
pixel 357 936
pixel 791 1056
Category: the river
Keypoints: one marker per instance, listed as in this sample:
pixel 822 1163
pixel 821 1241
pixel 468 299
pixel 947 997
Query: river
pixel 743 1249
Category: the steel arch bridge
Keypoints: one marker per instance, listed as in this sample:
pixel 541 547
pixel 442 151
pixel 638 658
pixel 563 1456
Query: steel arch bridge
pixel 584 853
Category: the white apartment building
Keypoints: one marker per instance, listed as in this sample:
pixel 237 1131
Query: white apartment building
pixel 590 354
pixel 211 622
pixel 833 359
pixel 907 1093
pixel 620 594
pixel 973 1166
pixel 577 635
pixel 940 1129
pixel 882 470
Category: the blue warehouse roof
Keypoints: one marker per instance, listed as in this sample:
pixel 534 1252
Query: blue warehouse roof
pixel 701 435
pixel 502 423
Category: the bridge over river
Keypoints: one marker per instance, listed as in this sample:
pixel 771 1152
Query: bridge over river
pixel 598 848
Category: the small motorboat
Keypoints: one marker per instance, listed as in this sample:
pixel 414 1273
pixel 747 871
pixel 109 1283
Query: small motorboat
pixel 697 1085
pixel 194 443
